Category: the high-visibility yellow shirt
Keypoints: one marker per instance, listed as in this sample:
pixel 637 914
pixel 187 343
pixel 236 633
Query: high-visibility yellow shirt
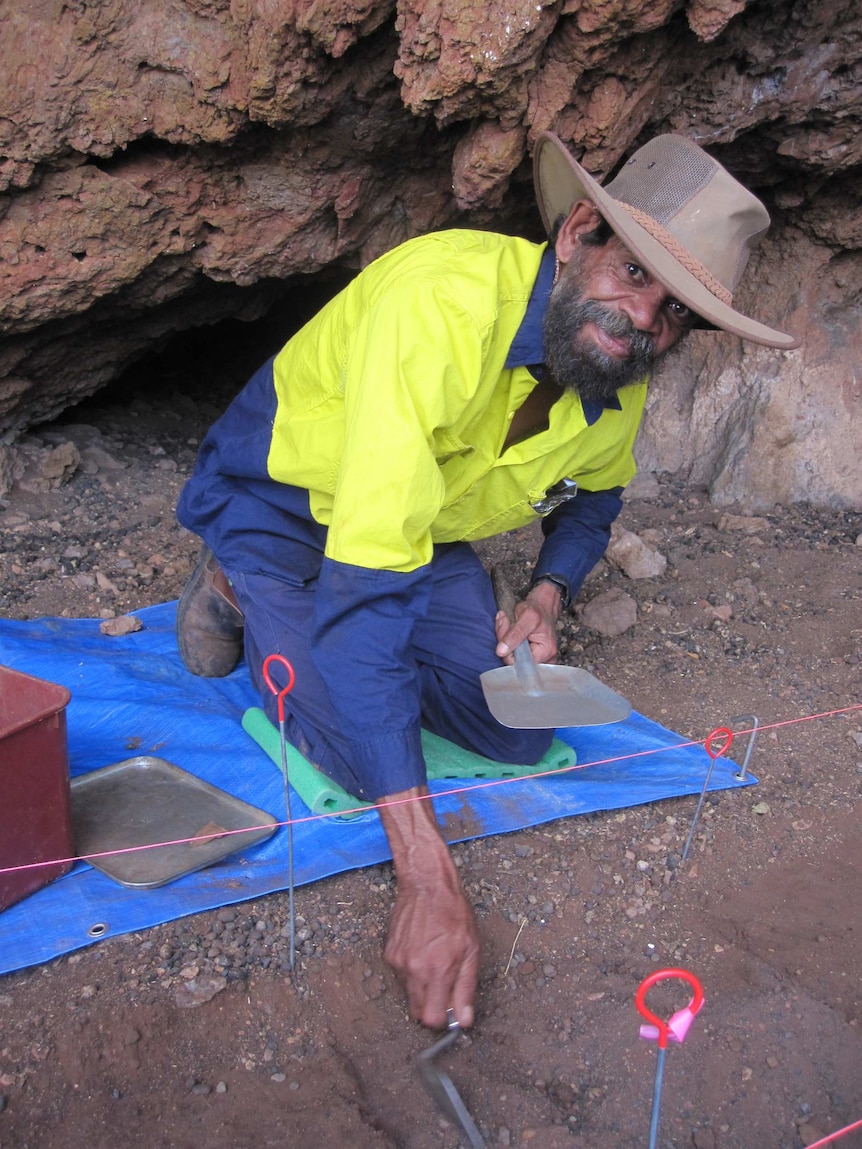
pixel 394 402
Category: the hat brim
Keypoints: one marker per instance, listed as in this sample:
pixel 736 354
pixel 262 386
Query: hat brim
pixel 560 182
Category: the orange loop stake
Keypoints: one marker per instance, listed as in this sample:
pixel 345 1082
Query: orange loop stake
pixel 660 1031
pixel 281 692
pixel 677 1027
pixel 719 732
pixel 715 752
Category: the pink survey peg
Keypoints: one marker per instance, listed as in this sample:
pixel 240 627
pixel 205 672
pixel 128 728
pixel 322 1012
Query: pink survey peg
pixel 677 1026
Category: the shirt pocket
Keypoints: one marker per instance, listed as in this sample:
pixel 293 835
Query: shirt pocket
pixel 448 446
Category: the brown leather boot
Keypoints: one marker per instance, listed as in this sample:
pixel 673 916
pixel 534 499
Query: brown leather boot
pixel 209 621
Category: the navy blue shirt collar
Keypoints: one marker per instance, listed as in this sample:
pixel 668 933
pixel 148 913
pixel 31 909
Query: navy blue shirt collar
pixel 527 348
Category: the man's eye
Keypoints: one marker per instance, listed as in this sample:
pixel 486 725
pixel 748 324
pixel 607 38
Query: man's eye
pixel 634 271
pixel 679 311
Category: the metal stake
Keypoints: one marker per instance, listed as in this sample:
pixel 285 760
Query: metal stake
pixel 656 1097
pixel 721 732
pixel 741 774
pixel 661 1031
pixel 281 693
pixel 754 725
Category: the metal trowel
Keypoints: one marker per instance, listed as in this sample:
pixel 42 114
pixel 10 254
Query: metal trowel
pixel 534 696
pixel 441 1088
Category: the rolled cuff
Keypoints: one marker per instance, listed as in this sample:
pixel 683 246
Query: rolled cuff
pixel 385 765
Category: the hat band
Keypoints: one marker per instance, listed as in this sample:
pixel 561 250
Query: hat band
pixel 680 253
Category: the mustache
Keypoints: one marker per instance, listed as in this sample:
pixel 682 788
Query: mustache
pixel 618 325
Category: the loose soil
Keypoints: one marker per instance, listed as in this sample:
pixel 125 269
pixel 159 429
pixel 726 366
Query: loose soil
pixel 194 1035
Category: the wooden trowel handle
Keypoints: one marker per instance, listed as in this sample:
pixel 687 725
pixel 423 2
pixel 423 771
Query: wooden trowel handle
pixel 503 593
pixel 525 668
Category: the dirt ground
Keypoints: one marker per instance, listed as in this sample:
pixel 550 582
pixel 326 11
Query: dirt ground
pixel 756 618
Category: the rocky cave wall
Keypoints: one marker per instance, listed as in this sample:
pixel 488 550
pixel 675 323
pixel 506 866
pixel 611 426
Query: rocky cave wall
pixel 168 163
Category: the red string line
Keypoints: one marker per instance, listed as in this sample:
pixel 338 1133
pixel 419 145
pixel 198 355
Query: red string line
pixel 834 1136
pixel 475 785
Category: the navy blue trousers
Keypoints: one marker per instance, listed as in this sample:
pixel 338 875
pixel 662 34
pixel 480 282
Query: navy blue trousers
pixel 452 645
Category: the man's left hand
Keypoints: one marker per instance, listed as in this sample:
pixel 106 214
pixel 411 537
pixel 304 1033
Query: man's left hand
pixel 433 941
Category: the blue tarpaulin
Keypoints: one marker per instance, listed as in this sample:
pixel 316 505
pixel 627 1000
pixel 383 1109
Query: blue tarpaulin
pixel 132 696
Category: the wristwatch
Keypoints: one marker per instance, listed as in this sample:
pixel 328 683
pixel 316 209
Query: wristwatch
pixel 561 585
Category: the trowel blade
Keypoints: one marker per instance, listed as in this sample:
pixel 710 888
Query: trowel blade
pixel 440 1087
pixel 567 696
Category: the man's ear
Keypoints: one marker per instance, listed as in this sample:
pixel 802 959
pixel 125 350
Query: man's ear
pixel 582 218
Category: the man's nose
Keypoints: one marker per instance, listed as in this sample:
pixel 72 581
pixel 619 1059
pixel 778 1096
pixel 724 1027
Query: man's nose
pixel 644 309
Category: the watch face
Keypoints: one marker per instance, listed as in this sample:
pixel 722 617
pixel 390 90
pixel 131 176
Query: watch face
pixel 565 597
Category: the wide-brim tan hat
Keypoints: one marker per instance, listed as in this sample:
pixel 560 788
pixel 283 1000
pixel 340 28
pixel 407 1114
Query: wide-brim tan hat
pixel 684 217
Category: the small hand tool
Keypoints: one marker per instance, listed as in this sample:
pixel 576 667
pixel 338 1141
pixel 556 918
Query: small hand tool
pixel 541 696
pixel 675 1029
pixel 440 1086
pixel 281 693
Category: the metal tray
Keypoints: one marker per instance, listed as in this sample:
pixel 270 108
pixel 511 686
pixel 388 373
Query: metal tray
pixel 144 800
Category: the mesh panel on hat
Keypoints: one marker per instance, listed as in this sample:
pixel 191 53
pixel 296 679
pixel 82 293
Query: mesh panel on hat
pixel 662 177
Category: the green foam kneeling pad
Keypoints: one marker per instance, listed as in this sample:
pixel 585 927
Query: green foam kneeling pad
pixel 443 760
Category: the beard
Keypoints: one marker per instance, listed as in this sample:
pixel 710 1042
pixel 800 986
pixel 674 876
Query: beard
pixel 578 364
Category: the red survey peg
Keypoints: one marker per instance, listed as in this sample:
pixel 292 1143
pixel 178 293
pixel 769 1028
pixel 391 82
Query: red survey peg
pixel 677 1026
pixel 281 692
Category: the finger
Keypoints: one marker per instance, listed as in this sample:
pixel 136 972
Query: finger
pixel 518 633
pixel 413 980
pixel 417 996
pixel 465 989
pixel 464 1015
pixel 436 1004
pixel 428 992
pixel 502 624
pixel 544 647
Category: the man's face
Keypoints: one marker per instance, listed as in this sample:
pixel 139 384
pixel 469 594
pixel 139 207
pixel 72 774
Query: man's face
pixel 608 322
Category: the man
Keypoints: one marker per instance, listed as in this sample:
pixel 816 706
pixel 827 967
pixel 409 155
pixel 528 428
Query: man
pixel 459 386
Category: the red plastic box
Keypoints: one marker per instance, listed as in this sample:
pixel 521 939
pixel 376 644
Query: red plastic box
pixel 35 814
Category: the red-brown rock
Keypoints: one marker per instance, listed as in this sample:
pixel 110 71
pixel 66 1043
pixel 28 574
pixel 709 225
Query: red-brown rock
pixel 167 162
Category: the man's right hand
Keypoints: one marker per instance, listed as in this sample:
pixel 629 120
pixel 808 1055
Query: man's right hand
pixel 535 620
pixel 433 942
